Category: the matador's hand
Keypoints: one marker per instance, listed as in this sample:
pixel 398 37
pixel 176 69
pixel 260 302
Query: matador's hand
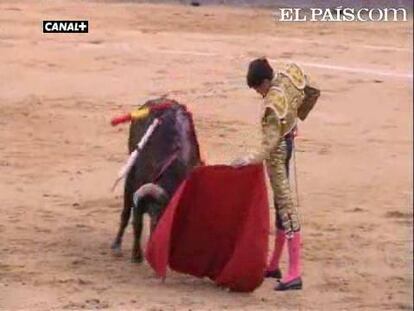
pixel 243 161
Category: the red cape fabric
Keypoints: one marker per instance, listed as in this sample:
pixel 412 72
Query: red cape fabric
pixel 216 225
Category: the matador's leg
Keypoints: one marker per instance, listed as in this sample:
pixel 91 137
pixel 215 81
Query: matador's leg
pixel 273 268
pixel 287 214
pixel 285 209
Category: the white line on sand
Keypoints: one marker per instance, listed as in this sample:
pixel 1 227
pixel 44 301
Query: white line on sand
pixel 351 46
pixel 387 48
pixel 368 71
pixel 181 52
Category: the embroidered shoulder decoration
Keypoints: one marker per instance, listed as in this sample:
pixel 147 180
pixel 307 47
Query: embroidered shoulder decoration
pixel 295 75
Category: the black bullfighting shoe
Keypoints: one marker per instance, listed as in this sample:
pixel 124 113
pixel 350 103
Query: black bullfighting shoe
pixel 294 284
pixel 277 274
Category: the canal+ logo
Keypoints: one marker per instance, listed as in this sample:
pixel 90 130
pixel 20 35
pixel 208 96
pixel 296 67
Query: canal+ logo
pixel 65 26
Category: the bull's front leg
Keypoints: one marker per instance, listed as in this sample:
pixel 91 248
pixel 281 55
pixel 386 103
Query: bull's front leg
pixel 137 224
pixel 125 216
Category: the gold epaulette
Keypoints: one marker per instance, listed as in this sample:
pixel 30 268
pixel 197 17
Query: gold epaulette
pixel 295 74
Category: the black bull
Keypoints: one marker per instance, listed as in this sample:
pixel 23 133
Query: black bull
pixel 170 154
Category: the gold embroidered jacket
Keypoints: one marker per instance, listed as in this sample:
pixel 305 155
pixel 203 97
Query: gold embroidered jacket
pixel 290 96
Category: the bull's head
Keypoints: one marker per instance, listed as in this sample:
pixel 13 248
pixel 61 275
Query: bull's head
pixel 152 199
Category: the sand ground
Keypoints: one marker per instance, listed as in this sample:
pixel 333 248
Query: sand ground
pixel 59 156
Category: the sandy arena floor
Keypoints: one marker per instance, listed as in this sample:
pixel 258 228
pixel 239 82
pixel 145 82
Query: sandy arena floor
pixel 59 155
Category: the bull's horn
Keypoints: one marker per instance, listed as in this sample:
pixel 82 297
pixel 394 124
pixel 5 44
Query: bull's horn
pixel 152 190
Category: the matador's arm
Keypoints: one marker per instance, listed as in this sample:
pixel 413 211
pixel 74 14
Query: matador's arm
pixel 270 138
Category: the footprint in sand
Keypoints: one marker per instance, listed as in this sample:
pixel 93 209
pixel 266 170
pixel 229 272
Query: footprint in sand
pixel 48 215
pixel 96 42
pixel 326 149
pixel 88 304
pixel 366 227
pixel 355 210
pixel 42 230
pixel 84 227
pixel 398 215
pixel 14 219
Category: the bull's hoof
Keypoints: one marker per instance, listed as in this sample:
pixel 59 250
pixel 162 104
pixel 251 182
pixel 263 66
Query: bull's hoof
pixel 117 252
pixel 137 259
pixel 116 249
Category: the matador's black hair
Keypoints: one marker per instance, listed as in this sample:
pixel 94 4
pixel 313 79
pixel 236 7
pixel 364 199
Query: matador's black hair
pixel 259 70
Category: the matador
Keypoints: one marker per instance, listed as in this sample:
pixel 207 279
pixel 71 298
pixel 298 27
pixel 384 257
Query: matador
pixel 288 96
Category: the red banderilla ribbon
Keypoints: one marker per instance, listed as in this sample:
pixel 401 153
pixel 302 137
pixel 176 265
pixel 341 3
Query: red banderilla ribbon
pixel 141 113
pixel 121 119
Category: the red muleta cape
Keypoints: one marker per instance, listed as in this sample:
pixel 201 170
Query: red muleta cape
pixel 216 225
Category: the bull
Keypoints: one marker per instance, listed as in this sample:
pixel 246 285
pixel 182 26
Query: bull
pixel 169 155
